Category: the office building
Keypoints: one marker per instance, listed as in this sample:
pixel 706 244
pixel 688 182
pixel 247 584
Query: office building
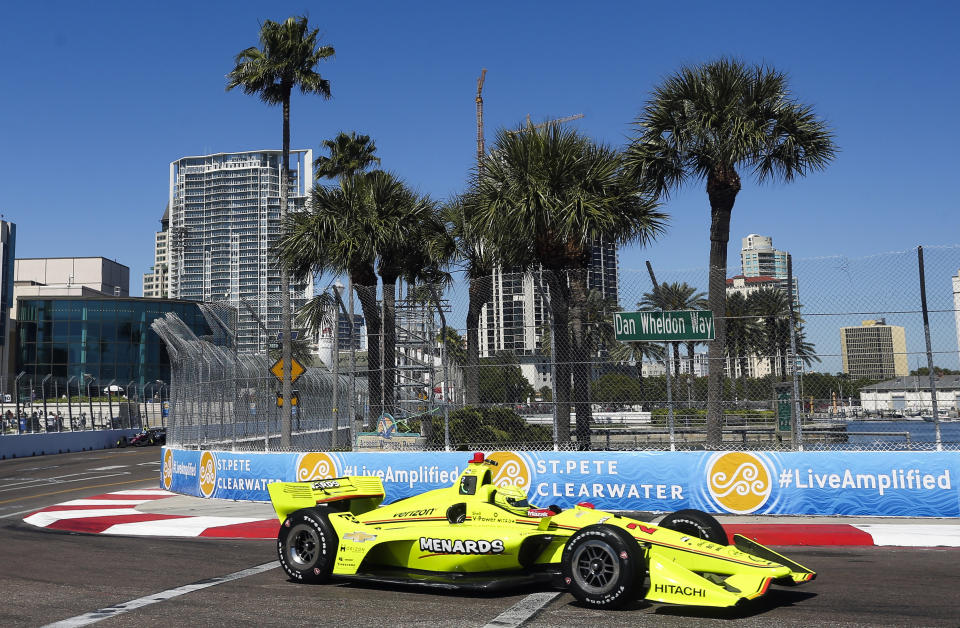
pixel 513 320
pixel 224 219
pixel 69 276
pixel 155 281
pixel 96 340
pixel 874 350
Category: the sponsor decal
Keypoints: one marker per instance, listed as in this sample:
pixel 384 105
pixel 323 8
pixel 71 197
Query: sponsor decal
pixel 510 469
pixel 359 536
pixel 326 484
pixel 168 469
pixel 208 473
pixel 315 466
pixel 739 482
pixel 414 513
pixel 676 589
pixel 540 512
pixel 450 546
pixel 641 527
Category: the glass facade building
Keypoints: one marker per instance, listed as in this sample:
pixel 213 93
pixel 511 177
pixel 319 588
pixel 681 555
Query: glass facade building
pixel 108 338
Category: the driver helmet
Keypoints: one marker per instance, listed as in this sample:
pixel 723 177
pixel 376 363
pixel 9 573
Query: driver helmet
pixel 513 498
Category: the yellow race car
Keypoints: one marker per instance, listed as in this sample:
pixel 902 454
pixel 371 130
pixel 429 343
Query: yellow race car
pixel 476 535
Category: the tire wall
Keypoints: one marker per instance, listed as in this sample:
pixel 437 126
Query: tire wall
pixel 914 484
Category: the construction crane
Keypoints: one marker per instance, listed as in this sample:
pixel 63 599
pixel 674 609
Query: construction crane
pixel 480 146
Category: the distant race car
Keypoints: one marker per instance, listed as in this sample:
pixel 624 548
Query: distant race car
pixel 476 535
pixel 150 436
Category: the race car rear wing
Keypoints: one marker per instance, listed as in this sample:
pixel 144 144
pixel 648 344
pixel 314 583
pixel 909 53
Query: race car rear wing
pixel 355 493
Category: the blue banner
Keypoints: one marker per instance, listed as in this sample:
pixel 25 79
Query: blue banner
pixel 915 484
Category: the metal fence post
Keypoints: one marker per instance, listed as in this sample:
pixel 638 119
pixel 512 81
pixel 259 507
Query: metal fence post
pixel 798 408
pixel 926 335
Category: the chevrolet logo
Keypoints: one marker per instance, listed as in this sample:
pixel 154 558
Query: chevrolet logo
pixel 359 536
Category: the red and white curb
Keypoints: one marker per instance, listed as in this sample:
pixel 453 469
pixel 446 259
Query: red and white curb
pixel 116 513
pixel 877 534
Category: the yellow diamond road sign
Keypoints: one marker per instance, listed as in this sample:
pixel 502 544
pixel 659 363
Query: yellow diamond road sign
pixel 296 370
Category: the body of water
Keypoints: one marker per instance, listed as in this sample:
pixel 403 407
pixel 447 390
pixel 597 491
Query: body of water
pixel 886 432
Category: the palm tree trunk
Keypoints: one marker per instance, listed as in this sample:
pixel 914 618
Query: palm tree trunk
pixel 559 310
pixel 365 285
pixel 581 358
pixel 690 356
pixel 723 183
pixel 389 342
pixel 285 313
pixel 479 294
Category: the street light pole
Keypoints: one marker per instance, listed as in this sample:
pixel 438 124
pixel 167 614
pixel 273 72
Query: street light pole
pixel 69 403
pixel 89 378
pixel 43 393
pixel 16 394
pixel 110 400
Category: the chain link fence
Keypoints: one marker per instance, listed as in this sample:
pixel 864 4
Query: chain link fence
pixel 532 360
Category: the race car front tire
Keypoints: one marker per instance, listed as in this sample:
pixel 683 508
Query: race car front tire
pixel 603 567
pixel 696 523
pixel 307 546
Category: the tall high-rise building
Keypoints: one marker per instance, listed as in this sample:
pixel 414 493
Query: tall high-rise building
pixel 224 219
pixel 761 267
pixel 155 281
pixel 874 350
pixel 513 320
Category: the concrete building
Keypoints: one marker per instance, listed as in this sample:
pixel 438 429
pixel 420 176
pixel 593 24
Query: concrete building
pixel 69 276
pixel 155 281
pixel 224 219
pixel 911 395
pixel 874 350
pixel 514 319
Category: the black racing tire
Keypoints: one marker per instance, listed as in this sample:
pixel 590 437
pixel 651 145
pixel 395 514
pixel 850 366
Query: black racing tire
pixel 307 546
pixel 122 442
pixel 696 523
pixel 603 567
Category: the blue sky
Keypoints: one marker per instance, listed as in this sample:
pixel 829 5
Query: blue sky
pixel 98 98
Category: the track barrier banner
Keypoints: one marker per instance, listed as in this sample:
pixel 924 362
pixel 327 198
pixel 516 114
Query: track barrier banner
pixel 914 484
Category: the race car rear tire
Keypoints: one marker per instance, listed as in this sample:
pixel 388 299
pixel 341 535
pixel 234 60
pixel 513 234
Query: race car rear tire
pixel 696 523
pixel 307 546
pixel 603 566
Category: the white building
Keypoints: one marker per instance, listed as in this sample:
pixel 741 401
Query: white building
pixel 515 317
pixel 911 395
pixel 956 305
pixel 224 219
pixel 155 281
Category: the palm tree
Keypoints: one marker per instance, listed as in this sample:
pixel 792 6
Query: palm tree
pixel 706 122
pixel 288 58
pixel 475 258
pixel 350 154
pixel 544 197
pixel 772 307
pixel 333 235
pixel 742 335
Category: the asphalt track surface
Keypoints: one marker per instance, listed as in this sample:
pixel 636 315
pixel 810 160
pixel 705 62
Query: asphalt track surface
pixel 50 576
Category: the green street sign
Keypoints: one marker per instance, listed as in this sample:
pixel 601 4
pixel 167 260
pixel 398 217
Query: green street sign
pixel 667 326
pixel 784 407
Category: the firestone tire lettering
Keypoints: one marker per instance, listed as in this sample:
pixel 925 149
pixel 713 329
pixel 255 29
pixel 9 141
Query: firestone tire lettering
pixel 306 546
pixel 603 567
pixel 696 523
